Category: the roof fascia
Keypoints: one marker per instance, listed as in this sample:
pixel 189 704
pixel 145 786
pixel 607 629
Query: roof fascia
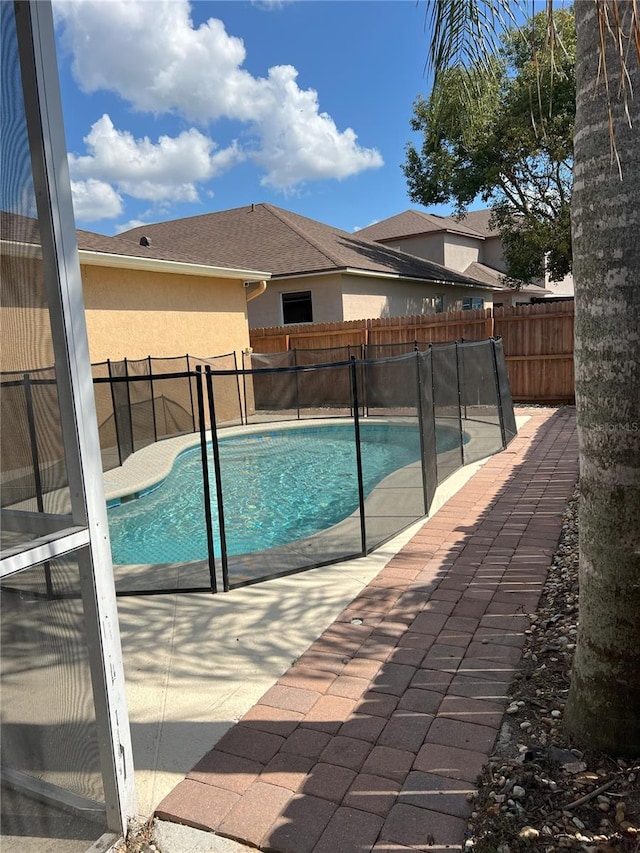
pixel 474 235
pixel 373 274
pixel 104 259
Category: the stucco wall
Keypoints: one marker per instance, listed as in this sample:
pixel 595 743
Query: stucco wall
pixel 136 313
pixel 326 300
pixel 372 298
pixel 429 246
pixel 492 254
pixel 460 251
pixel 24 316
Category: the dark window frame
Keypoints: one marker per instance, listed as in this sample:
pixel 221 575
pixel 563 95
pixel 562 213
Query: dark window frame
pixel 297 307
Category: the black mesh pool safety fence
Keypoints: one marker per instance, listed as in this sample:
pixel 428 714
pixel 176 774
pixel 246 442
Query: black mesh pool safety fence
pixel 288 463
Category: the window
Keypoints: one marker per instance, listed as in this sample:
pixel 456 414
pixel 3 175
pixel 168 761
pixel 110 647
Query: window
pixel 296 307
pixel 438 303
pixel 472 303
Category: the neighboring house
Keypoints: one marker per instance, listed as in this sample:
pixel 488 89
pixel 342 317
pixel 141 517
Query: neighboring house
pixel 319 273
pixel 139 300
pixel 468 245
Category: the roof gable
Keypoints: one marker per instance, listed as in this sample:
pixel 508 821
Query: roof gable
pixel 414 223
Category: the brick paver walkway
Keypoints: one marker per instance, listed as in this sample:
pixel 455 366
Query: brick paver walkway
pixel 373 739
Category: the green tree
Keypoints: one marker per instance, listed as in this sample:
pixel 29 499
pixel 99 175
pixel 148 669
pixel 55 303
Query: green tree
pixel 603 708
pixel 502 128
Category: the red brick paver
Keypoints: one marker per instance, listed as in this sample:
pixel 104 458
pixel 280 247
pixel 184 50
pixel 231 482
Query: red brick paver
pixel 373 741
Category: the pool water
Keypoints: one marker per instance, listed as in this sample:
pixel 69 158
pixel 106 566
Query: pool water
pixel 277 486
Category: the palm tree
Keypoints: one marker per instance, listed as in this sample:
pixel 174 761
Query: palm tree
pixel 603 709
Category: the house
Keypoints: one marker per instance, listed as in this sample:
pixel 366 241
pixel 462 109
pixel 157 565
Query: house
pixel 139 300
pixel 319 273
pixel 468 245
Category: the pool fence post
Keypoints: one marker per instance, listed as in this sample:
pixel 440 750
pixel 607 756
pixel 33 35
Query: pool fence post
pixel 459 403
pixel 295 364
pixel 129 410
pixel 217 469
pixel 425 496
pixel 356 425
pixel 193 413
pixel 153 402
pixel 433 409
pixel 503 432
pixel 235 367
pixel 115 411
pixel 205 482
pixel 35 461
pixel 246 356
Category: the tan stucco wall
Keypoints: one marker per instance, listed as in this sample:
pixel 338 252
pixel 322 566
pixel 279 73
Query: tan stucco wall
pixel 24 316
pixel 136 313
pixel 492 254
pixel 460 251
pixel 429 246
pixel 372 298
pixel 326 300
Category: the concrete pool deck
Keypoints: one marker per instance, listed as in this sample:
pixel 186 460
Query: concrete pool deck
pixel 349 708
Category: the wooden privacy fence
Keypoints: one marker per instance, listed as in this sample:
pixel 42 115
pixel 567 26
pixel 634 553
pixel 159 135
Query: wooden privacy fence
pixel 537 339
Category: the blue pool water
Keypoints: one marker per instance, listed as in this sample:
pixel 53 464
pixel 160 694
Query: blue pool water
pixel 277 485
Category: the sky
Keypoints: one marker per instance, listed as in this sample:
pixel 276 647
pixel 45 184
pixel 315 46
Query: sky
pixel 175 109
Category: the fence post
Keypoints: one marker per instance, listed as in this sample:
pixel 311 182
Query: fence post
pixel 153 402
pixel 459 404
pixel 356 425
pixel 133 438
pixel 217 469
pixel 235 367
pixel 503 432
pixel 425 497
pixel 35 461
pixel 245 356
pixel 433 412
pixel 115 410
pixel 193 411
pixel 205 482
pixel 295 373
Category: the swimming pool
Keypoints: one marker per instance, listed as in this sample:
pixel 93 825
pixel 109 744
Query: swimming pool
pixel 279 485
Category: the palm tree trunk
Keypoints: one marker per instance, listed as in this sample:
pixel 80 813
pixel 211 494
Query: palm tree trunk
pixel 603 710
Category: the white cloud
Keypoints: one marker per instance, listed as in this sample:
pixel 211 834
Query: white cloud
pixel 299 142
pixel 94 200
pixel 151 54
pixel 168 169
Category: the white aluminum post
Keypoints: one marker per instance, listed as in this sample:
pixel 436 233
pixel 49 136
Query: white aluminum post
pixel 63 283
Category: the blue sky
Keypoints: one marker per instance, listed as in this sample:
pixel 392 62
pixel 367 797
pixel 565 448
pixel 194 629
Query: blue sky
pixel 175 109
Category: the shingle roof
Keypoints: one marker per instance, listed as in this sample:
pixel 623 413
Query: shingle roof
pixel 411 223
pixel 25 229
pixel 495 278
pixel 91 242
pixel 19 229
pixel 478 222
pixel 267 237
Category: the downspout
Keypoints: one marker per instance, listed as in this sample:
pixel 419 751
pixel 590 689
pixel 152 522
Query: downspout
pixel 260 289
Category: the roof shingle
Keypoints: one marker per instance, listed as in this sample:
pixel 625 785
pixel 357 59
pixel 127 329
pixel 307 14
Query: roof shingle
pixel 267 237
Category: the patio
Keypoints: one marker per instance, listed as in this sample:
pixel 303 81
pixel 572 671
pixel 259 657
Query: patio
pixel 385 705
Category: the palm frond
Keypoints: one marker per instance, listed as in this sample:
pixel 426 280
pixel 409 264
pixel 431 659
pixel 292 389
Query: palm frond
pixel 619 35
pixel 466 32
